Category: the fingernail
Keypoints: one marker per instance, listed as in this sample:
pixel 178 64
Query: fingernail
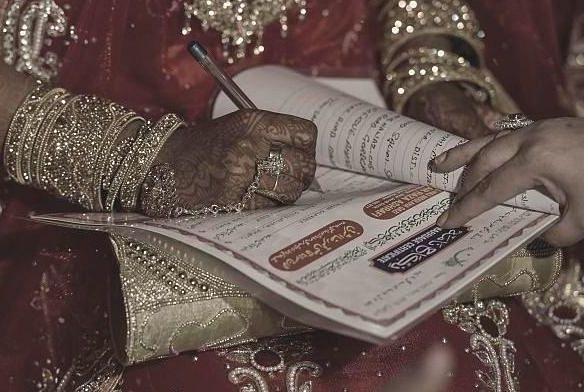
pixel 442 219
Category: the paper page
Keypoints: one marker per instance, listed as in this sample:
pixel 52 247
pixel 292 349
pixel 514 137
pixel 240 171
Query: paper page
pixel 361 88
pixel 365 254
pixel 358 136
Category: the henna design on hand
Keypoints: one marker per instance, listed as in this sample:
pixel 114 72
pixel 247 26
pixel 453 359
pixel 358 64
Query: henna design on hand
pixel 216 161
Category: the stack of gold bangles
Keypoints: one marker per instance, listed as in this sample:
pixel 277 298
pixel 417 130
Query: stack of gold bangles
pixel 405 20
pixel 78 147
pixel 416 68
pixel 408 71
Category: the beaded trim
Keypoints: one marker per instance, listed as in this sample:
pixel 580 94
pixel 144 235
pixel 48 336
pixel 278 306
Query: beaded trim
pixel 26 27
pixel 241 23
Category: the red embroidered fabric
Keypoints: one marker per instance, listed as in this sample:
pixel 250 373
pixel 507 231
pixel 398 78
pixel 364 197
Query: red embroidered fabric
pixel 55 282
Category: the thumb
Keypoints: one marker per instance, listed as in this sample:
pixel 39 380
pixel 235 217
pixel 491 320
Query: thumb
pixel 568 231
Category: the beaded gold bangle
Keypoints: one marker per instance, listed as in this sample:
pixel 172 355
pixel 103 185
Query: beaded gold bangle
pixel 67 151
pixel 408 19
pixel 123 169
pixel 63 143
pixel 112 150
pixel 145 155
pixel 43 124
pixel 13 143
pixel 424 55
pixel 421 67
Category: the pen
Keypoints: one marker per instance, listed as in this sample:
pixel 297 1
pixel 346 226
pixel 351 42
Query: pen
pixel 227 84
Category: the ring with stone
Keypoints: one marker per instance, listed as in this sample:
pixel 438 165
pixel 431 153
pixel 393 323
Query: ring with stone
pixel 274 165
pixel 512 122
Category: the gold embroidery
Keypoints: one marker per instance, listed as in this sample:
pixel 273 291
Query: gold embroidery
pixel 172 304
pixel 26 27
pixel 561 307
pixel 289 355
pixel 487 323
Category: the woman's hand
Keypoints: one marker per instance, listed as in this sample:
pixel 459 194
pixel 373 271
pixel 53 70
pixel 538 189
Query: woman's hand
pixel 446 106
pixel 546 155
pixel 215 162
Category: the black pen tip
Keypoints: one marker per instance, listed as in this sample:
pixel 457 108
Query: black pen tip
pixel 196 50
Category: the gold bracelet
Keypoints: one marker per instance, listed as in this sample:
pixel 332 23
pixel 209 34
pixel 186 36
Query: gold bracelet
pixel 42 124
pixel 123 169
pixel 114 161
pixel 426 66
pixel 423 55
pixel 145 155
pixel 70 160
pixel 61 143
pixel 408 19
pixel 71 146
pixel 112 150
pixel 30 131
pixel 14 142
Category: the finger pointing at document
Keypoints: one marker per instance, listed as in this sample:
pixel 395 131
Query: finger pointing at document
pixel 547 156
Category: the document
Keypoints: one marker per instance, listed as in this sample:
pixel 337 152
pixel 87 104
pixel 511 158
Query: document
pixel 363 257
pixel 359 136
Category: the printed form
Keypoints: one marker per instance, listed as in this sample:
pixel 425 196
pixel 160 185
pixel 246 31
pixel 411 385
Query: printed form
pixel 363 258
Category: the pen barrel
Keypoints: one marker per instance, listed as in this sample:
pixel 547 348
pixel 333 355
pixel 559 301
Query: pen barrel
pixel 231 89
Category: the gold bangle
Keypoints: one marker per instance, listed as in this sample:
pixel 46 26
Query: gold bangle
pixel 424 55
pixel 124 167
pixel 71 146
pixel 31 131
pixel 43 123
pixel 71 154
pixel 111 149
pixel 426 66
pixel 145 155
pixel 408 19
pixel 15 136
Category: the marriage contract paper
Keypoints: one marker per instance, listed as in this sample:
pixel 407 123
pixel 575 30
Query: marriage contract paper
pixel 364 256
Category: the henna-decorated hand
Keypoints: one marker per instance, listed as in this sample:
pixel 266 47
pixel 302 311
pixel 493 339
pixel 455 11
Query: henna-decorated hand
pixel 215 162
pixel 445 105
